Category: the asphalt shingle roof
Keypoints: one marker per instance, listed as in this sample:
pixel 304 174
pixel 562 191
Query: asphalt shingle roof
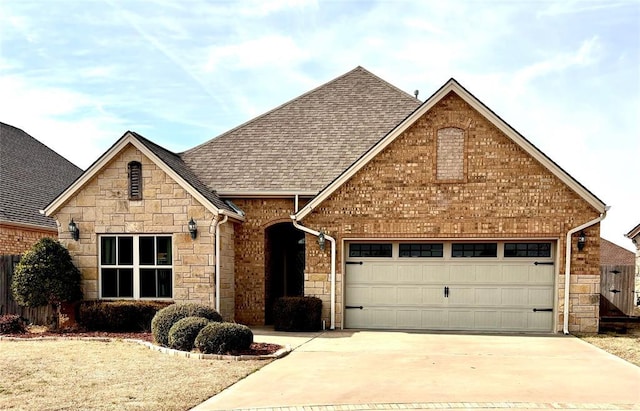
pixel 31 175
pixel 306 143
pixel 613 254
pixel 176 164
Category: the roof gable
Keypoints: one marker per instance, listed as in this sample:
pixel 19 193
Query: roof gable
pixel 453 86
pixel 634 232
pixel 169 162
pixel 31 175
pixel 302 145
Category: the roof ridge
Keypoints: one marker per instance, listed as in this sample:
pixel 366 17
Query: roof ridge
pixel 295 99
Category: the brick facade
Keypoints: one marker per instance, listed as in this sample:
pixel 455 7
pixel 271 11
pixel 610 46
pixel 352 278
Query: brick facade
pixel 18 239
pixel 506 194
pixel 102 206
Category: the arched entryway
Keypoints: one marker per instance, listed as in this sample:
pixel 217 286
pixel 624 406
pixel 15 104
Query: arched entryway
pixel 284 265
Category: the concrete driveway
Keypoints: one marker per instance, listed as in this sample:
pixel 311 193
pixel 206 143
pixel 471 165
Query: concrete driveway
pixel 363 370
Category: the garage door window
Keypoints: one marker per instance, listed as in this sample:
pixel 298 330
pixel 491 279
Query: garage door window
pixel 474 250
pixel 421 250
pixel 527 249
pixel 370 250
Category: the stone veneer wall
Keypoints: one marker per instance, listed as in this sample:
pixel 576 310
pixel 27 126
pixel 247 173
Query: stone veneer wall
pixel 18 239
pixel 506 194
pixel 102 207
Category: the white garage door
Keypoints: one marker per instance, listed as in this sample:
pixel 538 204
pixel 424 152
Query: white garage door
pixel 481 286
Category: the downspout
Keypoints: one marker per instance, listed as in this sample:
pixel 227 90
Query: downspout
pixel 217 229
pixel 567 265
pixel 333 266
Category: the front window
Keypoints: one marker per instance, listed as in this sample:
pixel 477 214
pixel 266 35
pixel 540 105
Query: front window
pixel 136 266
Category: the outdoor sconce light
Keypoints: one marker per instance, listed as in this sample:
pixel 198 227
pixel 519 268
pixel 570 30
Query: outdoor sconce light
pixel 321 241
pixel 582 239
pixel 74 230
pixel 193 229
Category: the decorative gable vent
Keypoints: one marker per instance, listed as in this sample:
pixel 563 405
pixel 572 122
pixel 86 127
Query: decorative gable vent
pixel 135 180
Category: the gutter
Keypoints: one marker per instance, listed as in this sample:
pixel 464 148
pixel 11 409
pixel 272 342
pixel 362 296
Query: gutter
pixel 567 267
pixel 216 228
pixel 333 266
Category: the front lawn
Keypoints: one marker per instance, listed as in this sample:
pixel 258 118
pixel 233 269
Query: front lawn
pixel 115 375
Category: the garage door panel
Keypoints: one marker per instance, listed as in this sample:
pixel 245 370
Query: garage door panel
pixel 487 296
pixel 461 320
pixel 461 295
pixel 410 296
pixel 435 273
pixel 433 295
pixel 434 319
pixel 488 274
pixel 486 319
pixel 517 274
pixel 383 318
pixel 359 273
pixel 384 295
pixel 358 294
pixel 539 321
pixel 409 318
pixel 383 273
pixel 513 320
pixel 410 274
pixel 514 296
pixel 540 297
pixel 459 273
pixel 541 274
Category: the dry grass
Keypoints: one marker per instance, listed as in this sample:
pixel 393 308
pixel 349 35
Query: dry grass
pixel 115 375
pixel 625 346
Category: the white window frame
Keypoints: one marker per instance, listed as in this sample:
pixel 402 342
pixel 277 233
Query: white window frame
pixel 136 265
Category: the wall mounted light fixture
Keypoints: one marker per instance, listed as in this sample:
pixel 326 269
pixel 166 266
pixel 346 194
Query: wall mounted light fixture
pixel 582 240
pixel 193 229
pixel 74 230
pixel 321 240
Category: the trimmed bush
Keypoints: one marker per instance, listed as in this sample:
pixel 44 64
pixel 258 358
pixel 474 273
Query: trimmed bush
pixel 297 314
pixel 118 316
pixel 182 334
pixel 12 324
pixel 165 318
pixel 223 338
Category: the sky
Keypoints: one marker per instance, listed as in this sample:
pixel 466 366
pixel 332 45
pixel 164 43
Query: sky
pixel 77 75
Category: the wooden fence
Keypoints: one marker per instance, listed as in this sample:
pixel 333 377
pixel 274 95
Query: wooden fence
pixel 617 285
pixel 39 315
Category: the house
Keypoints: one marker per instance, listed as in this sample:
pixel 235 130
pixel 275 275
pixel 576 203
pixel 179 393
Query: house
pixel 634 236
pixel 398 214
pixel 31 175
pixel 617 280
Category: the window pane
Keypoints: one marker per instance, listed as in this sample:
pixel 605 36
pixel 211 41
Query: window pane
pixel 147 252
pixel 164 250
pixel 109 282
pixel 108 250
pixel 474 250
pixel 125 282
pixel 421 250
pixel 125 250
pixel 164 283
pixel 148 283
pixel 527 250
pixel 370 250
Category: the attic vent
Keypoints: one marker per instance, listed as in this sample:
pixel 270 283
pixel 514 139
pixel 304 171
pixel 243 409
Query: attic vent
pixel 135 180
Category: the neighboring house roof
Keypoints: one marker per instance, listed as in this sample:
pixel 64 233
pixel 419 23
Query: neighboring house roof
pixel 31 175
pixel 169 162
pixel 301 146
pixel 613 254
pixel 452 86
pixel 635 231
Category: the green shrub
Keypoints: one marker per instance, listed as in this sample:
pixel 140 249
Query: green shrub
pixel 182 334
pixel 46 275
pixel 297 314
pixel 165 318
pixel 12 324
pixel 118 316
pixel 223 338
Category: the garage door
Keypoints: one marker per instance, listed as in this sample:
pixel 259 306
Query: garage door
pixel 481 286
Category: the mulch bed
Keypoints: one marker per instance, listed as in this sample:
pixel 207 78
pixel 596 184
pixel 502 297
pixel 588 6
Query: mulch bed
pixel 256 348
